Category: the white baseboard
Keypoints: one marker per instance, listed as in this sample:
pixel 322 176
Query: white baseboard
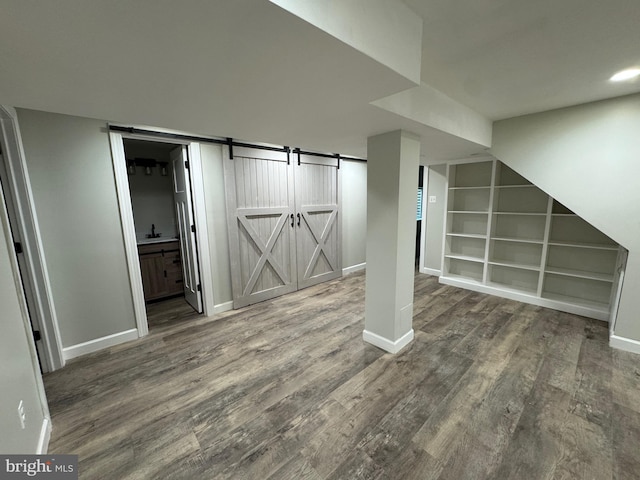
pixel 431 271
pixel 99 343
pixel 626 344
pixel 354 268
pixel 223 307
pixel 45 436
pixel 385 343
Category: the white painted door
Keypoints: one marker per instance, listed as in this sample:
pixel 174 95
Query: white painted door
pixel 260 218
pixel 319 254
pixel 27 284
pixel 186 227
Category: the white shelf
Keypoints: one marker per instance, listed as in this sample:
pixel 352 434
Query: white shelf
pixel 598 306
pixel 467 235
pixel 509 289
pixel 519 240
pixel 465 258
pixel 479 187
pixel 473 212
pixel 527 185
pixel 523 266
pixel 602 277
pixel 527 214
pixel 595 246
pixel 564 215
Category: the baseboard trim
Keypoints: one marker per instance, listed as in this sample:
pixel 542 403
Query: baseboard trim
pixel 99 344
pixel 385 343
pixel 431 271
pixel 626 344
pixel 222 307
pixel 354 268
pixel 45 436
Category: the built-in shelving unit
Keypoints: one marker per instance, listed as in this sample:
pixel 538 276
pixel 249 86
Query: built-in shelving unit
pixel 507 237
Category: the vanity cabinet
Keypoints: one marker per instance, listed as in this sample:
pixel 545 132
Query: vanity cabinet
pixel 161 269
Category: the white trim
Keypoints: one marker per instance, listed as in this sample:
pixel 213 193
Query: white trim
pixel 223 307
pixel 128 232
pixel 431 271
pixel 386 344
pixel 99 343
pixel 626 344
pixel 45 436
pixel 354 268
pixel 20 189
pixel 202 232
pixel 532 298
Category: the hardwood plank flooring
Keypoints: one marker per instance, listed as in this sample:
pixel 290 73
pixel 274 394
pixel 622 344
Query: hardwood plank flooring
pixel 286 389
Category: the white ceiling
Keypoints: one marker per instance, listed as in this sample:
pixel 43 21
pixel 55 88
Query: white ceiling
pixel 250 70
pixel 505 58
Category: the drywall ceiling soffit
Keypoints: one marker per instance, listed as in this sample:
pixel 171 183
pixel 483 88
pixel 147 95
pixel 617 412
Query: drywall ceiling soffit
pixel 509 58
pixel 245 69
pixel 387 31
pixel 427 106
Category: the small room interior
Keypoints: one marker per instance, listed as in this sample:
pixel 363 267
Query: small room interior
pixel 150 175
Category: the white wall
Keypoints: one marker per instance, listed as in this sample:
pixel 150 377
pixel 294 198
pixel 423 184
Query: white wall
pixel 152 204
pixel 354 213
pixel 71 173
pixel 19 374
pixel 588 158
pixel 152 195
pixel 69 162
pixel 215 200
pixel 433 222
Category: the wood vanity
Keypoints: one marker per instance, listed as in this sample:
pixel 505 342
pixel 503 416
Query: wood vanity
pixel 161 268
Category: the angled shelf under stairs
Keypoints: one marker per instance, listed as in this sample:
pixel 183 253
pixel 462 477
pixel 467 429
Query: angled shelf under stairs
pixel 505 236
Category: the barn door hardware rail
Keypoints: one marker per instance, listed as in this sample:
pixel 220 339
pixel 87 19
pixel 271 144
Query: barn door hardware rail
pixel 230 143
pixel 194 138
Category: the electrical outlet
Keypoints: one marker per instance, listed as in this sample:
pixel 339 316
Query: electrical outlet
pixel 432 199
pixel 21 415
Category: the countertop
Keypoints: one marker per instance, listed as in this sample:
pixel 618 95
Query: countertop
pixel 147 241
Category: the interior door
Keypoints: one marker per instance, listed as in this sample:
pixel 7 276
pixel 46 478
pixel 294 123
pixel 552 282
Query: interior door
pixel 260 219
pixel 319 254
pixel 186 227
pixel 25 279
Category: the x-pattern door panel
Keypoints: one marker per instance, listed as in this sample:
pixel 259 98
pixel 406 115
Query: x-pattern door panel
pixel 259 186
pixel 318 235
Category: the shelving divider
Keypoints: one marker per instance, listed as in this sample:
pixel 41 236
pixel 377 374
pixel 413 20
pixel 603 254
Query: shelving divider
pixel 488 245
pixel 545 247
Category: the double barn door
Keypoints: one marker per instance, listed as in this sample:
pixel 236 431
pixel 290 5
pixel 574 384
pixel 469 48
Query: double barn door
pixel 283 220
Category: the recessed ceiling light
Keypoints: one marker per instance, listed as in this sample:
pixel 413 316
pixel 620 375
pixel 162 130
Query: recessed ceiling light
pixel 627 74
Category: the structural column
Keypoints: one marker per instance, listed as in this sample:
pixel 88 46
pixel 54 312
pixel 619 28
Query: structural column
pixel 392 181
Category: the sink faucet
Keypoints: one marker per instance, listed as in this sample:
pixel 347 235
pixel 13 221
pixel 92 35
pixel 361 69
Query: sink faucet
pixel 153 232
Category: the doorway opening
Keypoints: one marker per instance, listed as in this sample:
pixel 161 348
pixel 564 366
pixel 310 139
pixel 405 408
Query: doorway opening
pixel 160 192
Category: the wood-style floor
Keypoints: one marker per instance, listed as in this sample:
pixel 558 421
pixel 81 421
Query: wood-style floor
pixel 286 389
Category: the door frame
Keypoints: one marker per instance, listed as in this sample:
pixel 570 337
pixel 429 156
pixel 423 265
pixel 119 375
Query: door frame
pixel 19 188
pixel 116 140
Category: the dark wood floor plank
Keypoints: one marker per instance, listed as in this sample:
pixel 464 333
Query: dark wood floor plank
pixel 286 389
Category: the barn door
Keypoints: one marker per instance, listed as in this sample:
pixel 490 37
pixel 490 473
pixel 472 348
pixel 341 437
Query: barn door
pixel 186 228
pixel 319 254
pixel 259 189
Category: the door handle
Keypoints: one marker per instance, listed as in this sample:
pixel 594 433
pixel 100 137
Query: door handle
pixel 292 219
pixel 298 219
